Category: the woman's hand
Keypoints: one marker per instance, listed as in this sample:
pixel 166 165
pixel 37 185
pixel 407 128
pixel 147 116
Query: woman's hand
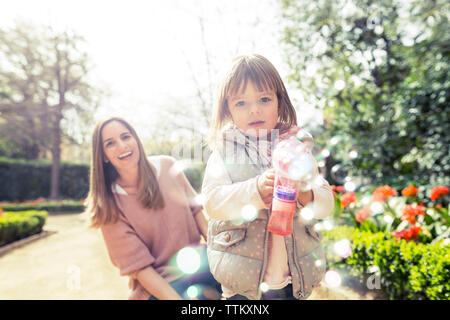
pixel 265 185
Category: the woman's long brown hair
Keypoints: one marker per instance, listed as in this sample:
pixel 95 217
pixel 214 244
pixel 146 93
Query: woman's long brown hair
pixel 101 203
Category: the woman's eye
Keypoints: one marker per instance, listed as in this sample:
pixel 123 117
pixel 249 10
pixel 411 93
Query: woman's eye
pixel 126 137
pixel 240 104
pixel 109 144
pixel 265 99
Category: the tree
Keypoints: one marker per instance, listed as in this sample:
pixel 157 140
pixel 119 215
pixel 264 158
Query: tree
pixel 380 71
pixel 44 89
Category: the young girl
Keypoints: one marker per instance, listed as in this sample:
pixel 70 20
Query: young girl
pixel 253 112
pixel 146 212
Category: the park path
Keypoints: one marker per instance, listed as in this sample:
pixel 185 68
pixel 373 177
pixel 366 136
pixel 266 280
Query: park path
pixel 70 264
pixel 73 264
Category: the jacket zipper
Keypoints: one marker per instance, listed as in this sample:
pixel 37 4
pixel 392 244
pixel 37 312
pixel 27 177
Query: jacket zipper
pixel 300 294
pixel 263 270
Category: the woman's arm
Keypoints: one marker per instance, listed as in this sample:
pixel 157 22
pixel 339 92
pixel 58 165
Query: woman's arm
pixel 202 224
pixel 156 285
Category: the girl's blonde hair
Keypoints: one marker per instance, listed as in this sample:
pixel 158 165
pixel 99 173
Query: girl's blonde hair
pixel 263 74
pixel 101 203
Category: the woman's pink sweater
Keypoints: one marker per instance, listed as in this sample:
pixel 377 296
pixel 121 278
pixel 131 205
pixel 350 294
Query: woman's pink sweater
pixel 146 237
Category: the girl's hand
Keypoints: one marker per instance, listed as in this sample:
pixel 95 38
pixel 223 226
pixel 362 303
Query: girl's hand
pixel 265 185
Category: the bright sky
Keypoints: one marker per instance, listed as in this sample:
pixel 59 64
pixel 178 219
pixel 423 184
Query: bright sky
pixel 148 52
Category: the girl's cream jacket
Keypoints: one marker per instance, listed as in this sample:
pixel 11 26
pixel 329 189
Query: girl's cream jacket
pixel 237 249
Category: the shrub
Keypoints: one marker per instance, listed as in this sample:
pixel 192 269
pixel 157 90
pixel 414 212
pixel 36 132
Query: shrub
pixel 18 225
pixel 31 179
pixel 51 206
pixel 408 270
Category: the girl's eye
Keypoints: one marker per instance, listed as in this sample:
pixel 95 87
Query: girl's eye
pixel 110 143
pixel 126 137
pixel 240 104
pixel 265 99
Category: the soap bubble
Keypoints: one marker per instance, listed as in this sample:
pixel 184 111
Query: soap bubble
pixel 349 186
pixel 332 279
pixel 343 248
pixel 307 213
pixel 335 140
pixel 376 207
pixel 249 212
pixel 353 154
pixel 301 168
pixel 339 85
pixel 264 287
pixel 188 260
pixel 200 199
pixel 339 173
pixel 193 292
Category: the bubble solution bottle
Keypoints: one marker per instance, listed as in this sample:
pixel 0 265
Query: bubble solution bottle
pixel 293 163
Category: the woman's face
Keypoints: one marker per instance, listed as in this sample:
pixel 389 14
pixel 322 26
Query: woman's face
pixel 119 146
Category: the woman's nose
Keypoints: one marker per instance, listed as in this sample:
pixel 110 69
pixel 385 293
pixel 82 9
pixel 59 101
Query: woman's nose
pixel 122 145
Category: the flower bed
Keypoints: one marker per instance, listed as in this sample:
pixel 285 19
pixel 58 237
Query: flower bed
pixel 410 216
pixel 406 269
pixel 400 238
pixel 18 225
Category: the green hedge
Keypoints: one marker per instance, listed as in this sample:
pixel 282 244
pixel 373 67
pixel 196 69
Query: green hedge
pixel 407 270
pixel 18 225
pixel 60 206
pixel 31 180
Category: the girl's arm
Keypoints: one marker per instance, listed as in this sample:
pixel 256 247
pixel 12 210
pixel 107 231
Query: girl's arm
pixel 224 199
pixel 156 285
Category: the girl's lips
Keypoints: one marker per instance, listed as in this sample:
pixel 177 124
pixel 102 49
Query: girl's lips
pixel 256 123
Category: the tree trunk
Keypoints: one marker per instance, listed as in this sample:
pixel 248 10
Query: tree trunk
pixel 56 158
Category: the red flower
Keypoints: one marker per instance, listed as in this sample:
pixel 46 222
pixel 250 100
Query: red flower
pixel 408 234
pixel 347 198
pixel 362 214
pixel 415 230
pixel 338 189
pixel 383 192
pixel 40 200
pixel 436 192
pixel 409 191
pixel 411 211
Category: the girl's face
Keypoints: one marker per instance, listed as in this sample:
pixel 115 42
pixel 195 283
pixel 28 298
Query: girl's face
pixel 253 111
pixel 119 146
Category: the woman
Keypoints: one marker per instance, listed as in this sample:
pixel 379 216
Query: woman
pixel 145 210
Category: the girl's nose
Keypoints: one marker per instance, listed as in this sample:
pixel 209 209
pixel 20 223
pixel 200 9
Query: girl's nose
pixel 254 108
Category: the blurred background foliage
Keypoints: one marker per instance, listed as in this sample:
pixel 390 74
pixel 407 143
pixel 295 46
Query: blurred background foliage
pixel 377 70
pixel 380 72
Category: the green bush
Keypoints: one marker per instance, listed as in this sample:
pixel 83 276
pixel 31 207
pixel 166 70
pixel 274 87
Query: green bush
pixel 31 180
pixel 18 225
pixel 58 206
pixel 408 270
